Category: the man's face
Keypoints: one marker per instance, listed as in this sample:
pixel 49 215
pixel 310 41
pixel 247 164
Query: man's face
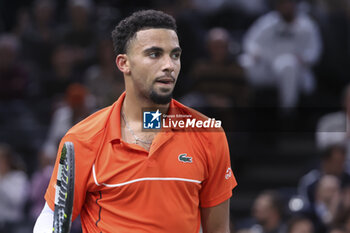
pixel 154 61
pixel 304 226
pixel 262 209
pixel 336 163
pixel 287 10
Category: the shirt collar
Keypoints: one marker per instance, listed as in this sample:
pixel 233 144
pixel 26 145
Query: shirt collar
pixel 114 126
pixel 114 120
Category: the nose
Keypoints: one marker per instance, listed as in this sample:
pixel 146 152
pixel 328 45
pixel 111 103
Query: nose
pixel 168 65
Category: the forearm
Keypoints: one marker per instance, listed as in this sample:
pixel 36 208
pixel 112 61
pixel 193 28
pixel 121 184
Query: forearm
pixel 221 230
pixel 216 219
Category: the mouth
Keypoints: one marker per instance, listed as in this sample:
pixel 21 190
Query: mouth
pixel 165 80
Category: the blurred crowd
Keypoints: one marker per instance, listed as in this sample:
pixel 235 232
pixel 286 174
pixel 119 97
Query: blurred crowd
pixel 57 66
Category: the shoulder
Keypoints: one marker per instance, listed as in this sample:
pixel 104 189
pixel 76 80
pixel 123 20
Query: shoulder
pixel 16 177
pixel 305 22
pixel 263 25
pixel 334 115
pixel 208 135
pixel 92 126
pixel 310 178
pixel 331 121
pixel 183 109
pixel 87 137
pixel 63 112
pixel 268 19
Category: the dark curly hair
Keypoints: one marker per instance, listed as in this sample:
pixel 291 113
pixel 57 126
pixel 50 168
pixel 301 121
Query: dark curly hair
pixel 145 19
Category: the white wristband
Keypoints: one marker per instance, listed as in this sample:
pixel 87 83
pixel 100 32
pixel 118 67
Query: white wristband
pixel 44 223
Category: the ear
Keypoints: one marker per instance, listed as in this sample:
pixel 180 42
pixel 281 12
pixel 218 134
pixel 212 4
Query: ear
pixel 122 63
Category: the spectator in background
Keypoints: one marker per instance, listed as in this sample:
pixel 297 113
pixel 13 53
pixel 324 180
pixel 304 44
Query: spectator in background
pixel 252 8
pixel 332 163
pixel 327 199
pixel 333 18
pixel 333 128
pixel 23 22
pixel 38 38
pixel 13 189
pixel 55 82
pixel 104 81
pixel 337 229
pixel 13 77
pixel 220 76
pixel 268 213
pixel 78 105
pixel 39 182
pixel 342 217
pixel 280 49
pixel 300 224
pixel 218 80
pixel 79 33
pixel 331 204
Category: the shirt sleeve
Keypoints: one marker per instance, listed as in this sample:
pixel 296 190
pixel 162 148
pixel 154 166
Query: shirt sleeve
pixel 258 35
pixel 217 187
pixel 311 44
pixel 82 172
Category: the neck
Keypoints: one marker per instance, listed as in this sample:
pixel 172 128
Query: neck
pixel 329 170
pixel 134 103
pixel 272 224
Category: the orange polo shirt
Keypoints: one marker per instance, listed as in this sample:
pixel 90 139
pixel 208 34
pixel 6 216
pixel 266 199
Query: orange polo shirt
pixel 121 187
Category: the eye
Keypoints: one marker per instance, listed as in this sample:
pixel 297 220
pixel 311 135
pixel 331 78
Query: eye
pixel 154 54
pixel 176 56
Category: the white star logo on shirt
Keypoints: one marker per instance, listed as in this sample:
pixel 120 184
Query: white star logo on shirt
pixel 156 115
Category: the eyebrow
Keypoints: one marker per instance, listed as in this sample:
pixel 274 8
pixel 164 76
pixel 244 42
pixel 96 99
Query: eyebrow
pixel 158 49
pixel 177 49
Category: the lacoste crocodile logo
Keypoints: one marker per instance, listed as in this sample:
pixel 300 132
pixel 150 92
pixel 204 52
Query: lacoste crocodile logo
pixel 184 158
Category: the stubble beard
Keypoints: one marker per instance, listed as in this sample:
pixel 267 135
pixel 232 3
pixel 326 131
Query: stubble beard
pixel 159 98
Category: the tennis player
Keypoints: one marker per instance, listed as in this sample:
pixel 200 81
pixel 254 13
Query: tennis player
pixel 129 180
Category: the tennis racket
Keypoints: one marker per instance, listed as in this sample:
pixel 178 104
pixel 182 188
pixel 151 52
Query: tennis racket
pixel 64 190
